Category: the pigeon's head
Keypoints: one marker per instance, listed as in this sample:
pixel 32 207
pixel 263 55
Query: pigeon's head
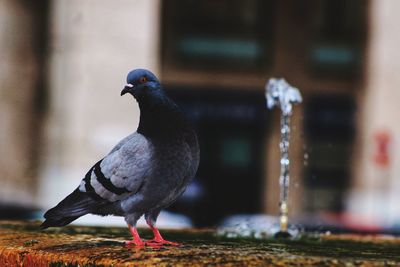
pixel 141 82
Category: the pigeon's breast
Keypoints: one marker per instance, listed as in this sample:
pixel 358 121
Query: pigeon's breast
pixel 173 168
pixel 175 165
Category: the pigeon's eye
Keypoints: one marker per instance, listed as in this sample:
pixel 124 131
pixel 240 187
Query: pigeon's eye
pixel 142 79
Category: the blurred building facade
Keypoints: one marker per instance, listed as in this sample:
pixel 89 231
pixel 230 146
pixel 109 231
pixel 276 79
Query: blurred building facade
pixel 22 34
pixel 374 194
pixel 215 58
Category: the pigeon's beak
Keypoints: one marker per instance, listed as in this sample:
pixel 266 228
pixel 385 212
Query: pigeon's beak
pixel 126 89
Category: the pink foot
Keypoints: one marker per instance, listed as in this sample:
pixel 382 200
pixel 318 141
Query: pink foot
pixel 158 240
pixel 136 238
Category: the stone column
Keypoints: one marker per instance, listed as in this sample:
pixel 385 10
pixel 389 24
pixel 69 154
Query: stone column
pixel 22 35
pixel 93 45
pixel 375 195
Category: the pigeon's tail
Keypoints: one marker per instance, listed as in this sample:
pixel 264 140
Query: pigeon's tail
pixel 71 208
pixel 54 222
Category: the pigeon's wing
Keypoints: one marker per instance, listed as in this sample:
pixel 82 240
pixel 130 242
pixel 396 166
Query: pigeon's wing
pixel 119 174
pixel 122 172
pixel 123 142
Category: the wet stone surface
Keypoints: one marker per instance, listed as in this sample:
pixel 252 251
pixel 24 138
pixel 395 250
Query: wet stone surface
pixel 25 244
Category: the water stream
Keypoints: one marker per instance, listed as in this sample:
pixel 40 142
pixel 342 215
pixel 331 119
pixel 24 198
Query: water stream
pixel 282 95
pixel 278 94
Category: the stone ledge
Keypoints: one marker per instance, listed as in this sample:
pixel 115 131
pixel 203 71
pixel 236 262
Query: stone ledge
pixel 24 244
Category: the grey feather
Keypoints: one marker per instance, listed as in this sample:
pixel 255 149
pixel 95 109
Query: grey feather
pixel 125 167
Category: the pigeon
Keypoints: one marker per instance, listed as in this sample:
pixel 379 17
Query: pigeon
pixel 145 172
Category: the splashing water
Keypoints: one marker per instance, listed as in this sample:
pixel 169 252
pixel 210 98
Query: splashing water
pixel 258 226
pixel 279 93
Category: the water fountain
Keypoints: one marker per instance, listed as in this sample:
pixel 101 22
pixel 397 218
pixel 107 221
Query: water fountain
pixel 279 93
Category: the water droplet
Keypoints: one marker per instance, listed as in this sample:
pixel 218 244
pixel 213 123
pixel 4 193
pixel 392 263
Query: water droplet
pixel 285 161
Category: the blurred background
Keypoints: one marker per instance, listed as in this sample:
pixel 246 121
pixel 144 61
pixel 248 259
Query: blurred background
pixel 63 65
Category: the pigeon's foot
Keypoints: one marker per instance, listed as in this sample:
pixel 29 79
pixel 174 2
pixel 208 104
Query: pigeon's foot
pixel 136 238
pixel 158 240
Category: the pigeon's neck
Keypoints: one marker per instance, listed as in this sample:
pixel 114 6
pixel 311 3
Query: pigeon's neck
pixel 160 118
